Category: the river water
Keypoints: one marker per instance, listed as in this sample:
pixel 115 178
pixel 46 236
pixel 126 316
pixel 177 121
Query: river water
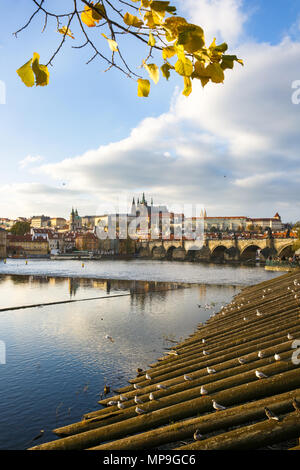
pixel 57 358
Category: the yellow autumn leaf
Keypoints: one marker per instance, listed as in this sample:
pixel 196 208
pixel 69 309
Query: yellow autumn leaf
pixel 153 71
pixel 132 20
pixel 143 87
pixel 184 67
pixel 168 52
pixel 66 31
pixel 151 41
pixel 26 74
pixel 165 69
pixel 112 44
pixel 90 17
pixel 191 37
pixel 216 73
pixel 187 86
pixel 40 71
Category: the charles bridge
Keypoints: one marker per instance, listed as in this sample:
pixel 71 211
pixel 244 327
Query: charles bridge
pixel 212 249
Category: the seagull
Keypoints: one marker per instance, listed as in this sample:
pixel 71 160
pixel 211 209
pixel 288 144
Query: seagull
pixel 203 391
pixel 173 353
pixel 242 360
pixel 197 435
pixel 296 404
pixel 123 398
pixel 277 357
pixel 139 411
pixel 260 374
pixel 203 340
pixel 245 319
pixel 217 406
pixel 270 414
pixel 111 403
pixel 148 377
pixel 161 387
pixel 136 386
pixel 205 353
pixel 109 337
pixel 289 336
pixel 120 405
pixel 151 396
pixel 187 377
pixel 260 354
pixel 258 314
pixel 210 370
pixel 137 400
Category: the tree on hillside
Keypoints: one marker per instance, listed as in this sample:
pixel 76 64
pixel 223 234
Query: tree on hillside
pixel 20 228
pixel 172 44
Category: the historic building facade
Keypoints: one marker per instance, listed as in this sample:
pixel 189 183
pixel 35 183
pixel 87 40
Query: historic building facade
pixel 3 242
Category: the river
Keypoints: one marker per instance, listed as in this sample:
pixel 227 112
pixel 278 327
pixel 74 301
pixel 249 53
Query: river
pixel 57 357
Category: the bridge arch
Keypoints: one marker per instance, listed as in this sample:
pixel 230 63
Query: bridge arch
pixel 218 252
pixel 286 250
pixel 169 253
pixel 249 252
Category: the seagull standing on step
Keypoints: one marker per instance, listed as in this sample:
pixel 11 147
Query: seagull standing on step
pixel 136 386
pixel 123 398
pixel 120 405
pixel 296 405
pixel 217 406
pixel 203 391
pixel 137 400
pixel 148 376
pixel 260 354
pixel 197 435
pixel 139 411
pixel 187 377
pixel 277 357
pixel 241 360
pixel 260 374
pixel 210 370
pixel 161 387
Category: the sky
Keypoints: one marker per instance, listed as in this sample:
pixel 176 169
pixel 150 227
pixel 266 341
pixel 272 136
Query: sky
pixel 86 140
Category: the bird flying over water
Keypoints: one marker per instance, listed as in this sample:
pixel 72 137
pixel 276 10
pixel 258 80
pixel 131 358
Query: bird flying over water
pixel 109 337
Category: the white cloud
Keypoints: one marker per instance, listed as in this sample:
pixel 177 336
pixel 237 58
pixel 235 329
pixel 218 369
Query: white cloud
pixel 29 160
pixel 234 147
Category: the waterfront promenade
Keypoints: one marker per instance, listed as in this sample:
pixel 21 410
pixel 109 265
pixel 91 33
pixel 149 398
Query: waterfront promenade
pixel 244 362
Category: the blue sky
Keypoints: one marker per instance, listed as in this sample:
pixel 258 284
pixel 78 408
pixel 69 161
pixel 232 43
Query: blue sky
pixel 79 128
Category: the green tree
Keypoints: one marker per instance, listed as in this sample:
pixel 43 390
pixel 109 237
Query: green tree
pixel 173 45
pixel 20 228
